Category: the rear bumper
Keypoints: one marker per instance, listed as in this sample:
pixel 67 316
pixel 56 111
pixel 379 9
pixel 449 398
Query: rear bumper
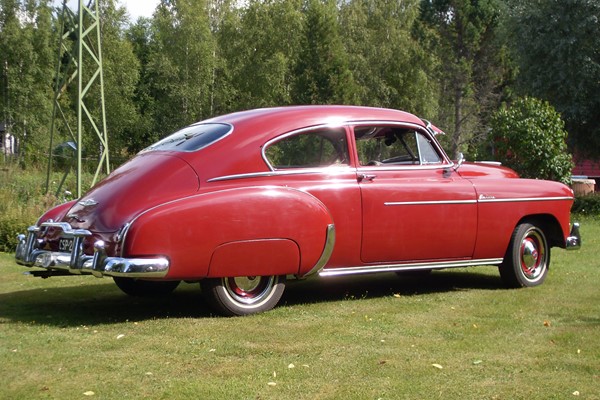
pixel 76 262
pixel 573 241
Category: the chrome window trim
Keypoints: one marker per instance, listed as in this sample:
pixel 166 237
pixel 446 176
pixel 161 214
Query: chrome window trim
pixel 300 171
pixel 445 162
pixel 298 132
pixel 408 267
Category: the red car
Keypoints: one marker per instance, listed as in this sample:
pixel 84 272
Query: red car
pixel 243 201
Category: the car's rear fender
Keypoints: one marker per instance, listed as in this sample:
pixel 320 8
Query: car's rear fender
pixel 56 213
pixel 245 231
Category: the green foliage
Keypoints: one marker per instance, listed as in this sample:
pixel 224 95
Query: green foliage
pixel 473 68
pixel 392 69
pixel 26 71
pixel 322 73
pixel 529 137
pixel 181 64
pixel 587 205
pixel 557 45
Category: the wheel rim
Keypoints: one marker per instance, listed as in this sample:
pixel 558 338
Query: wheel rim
pixel 533 255
pixel 249 290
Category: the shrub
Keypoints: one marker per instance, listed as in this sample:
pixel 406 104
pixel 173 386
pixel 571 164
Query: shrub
pixel 530 138
pixel 587 205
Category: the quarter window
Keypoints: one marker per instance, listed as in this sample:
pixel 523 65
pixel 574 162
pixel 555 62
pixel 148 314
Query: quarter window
pixel 310 149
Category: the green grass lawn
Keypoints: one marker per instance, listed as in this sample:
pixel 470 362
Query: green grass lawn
pixel 453 335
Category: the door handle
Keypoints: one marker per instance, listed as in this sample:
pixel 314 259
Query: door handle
pixel 366 177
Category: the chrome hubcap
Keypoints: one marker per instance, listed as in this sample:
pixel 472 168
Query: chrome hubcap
pixel 533 257
pixel 249 289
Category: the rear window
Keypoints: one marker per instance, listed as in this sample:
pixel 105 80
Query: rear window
pixel 192 138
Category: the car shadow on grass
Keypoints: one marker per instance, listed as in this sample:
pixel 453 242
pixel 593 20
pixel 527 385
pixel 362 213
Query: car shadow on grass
pixel 388 284
pixel 93 304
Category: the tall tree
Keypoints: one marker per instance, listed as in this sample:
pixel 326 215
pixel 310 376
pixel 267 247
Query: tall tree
pixel 182 63
pixel 144 133
pixel 558 49
pixel 26 70
pixel 473 65
pixel 390 65
pixel 323 75
pixel 260 47
pixel 121 75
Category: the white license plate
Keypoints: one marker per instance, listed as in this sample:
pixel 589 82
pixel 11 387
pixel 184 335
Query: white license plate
pixel 65 245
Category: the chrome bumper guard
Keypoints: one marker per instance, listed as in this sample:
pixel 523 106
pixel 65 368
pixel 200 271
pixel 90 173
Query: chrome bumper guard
pixel 78 263
pixel 573 241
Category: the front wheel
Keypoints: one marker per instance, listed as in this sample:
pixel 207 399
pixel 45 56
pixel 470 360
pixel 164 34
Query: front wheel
pixel 527 259
pixel 243 295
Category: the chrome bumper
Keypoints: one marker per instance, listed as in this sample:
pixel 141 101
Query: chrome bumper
pixel 78 263
pixel 573 241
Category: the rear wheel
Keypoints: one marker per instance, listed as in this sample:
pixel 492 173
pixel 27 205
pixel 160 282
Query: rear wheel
pixel 527 259
pixel 243 295
pixel 142 288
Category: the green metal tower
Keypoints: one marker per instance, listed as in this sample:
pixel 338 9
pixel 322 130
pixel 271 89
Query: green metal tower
pixel 79 66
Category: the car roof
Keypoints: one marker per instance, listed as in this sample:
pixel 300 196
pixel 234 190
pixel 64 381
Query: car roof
pixel 285 119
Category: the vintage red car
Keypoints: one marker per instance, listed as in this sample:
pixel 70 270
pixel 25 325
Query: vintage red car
pixel 243 201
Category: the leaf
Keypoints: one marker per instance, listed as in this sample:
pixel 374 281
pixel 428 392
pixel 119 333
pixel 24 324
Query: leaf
pixel 547 324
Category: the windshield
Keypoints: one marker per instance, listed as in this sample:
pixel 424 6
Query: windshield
pixel 192 138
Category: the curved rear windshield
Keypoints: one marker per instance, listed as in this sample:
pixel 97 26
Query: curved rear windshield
pixel 192 138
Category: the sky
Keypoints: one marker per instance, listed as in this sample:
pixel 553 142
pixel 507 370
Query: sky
pixel 135 8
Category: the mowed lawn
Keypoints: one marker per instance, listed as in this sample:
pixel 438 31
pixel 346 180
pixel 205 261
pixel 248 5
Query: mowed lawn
pixel 457 334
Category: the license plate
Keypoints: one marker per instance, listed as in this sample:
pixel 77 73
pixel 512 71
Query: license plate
pixel 65 245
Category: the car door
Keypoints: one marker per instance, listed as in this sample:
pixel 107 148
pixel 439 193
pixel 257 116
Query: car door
pixel 415 207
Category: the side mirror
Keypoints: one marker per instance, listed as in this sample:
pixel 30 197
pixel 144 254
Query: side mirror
pixel 459 162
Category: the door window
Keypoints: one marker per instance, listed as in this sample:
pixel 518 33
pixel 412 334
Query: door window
pixel 391 145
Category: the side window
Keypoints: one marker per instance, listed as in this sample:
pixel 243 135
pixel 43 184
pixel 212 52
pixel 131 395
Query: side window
pixel 383 145
pixel 309 149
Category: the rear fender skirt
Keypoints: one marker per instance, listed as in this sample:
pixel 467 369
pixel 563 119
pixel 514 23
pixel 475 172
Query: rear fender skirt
pixel 255 258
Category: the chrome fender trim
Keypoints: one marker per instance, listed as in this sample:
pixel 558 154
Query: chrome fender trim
pixel 325 255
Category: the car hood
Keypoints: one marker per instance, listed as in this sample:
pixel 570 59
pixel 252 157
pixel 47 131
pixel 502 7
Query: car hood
pixel 144 182
pixel 486 169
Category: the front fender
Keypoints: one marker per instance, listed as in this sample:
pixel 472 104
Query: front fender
pixel 245 231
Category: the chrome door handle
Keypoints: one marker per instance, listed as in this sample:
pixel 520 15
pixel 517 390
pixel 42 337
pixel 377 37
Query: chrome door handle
pixel 366 177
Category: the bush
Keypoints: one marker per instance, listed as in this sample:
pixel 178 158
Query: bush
pixel 587 205
pixel 530 138
pixel 9 229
